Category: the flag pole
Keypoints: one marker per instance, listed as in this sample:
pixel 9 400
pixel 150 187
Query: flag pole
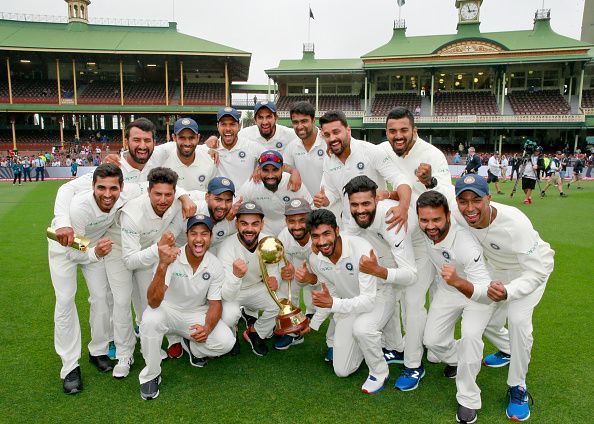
pixel 308 22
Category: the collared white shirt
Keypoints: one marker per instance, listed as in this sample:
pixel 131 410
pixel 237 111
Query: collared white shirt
pixel 494 166
pixel 353 292
pixel 393 249
pixel 309 164
pixel 273 203
pixel 188 290
pixel 232 249
pixel 295 253
pixel 142 228
pixel 460 249
pixel 365 159
pixel 195 176
pixel 514 252
pixel 239 162
pixel 282 137
pixel 423 152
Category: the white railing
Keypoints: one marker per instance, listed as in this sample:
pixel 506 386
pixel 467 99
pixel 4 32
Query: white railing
pixel 483 119
pixel 588 110
pixel 27 17
pixel 347 113
pixel 542 14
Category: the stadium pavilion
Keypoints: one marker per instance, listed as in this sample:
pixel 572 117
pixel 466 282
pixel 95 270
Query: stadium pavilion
pixel 492 90
pixel 84 79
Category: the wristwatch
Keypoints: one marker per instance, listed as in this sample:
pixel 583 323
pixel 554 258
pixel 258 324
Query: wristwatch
pixel 433 183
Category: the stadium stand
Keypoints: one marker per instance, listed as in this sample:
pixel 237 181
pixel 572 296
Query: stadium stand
pixel 587 99
pixel 465 103
pixel 100 92
pixel 383 103
pixel 545 102
pixel 146 93
pixel 325 102
pixel 204 94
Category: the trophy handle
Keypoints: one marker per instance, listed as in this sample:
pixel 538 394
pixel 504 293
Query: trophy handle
pixel 265 276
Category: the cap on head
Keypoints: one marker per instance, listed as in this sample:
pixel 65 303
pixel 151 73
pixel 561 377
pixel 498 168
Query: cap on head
pixel 250 208
pixel 183 123
pixel 297 207
pixel 268 105
pixel 200 219
pixel 478 185
pixel 270 157
pixel 219 185
pixel 228 111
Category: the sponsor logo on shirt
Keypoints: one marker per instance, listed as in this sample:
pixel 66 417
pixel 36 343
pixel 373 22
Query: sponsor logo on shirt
pixel 326 268
pixel 180 274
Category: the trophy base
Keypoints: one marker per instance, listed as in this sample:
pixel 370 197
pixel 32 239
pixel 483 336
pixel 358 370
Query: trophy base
pixel 291 322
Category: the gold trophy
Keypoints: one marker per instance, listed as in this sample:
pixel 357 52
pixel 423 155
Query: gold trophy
pixel 80 243
pixel 290 318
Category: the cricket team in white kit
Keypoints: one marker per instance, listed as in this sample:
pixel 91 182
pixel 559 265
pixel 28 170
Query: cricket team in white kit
pixel 369 231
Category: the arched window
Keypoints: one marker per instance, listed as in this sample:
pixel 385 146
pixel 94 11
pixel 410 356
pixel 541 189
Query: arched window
pixel 75 11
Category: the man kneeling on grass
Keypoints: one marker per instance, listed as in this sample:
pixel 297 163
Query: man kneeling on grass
pixel 185 299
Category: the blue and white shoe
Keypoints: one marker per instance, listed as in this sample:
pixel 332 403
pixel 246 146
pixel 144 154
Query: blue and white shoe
pixel 410 378
pixel 373 384
pixel 329 355
pixel 111 352
pixel 287 341
pixel 393 356
pixel 497 360
pixel 518 408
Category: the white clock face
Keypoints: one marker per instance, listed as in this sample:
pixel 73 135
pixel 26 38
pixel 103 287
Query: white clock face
pixel 469 11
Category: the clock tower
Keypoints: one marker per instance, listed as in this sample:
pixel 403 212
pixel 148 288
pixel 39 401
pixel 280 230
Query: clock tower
pixel 468 11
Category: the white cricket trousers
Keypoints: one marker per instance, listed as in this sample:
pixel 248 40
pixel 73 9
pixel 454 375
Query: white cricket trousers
pixel 167 319
pixel 518 342
pixel 257 298
pixel 467 352
pixel 120 283
pixel 67 336
pixel 358 337
pixel 392 333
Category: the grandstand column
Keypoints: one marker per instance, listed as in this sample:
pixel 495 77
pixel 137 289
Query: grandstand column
pixel 365 97
pixel 9 80
pixel 166 85
pixel 77 126
pixel 12 125
pixel 500 150
pixel 226 83
pixel 74 82
pixel 570 88
pixel 502 104
pixel 123 126
pixel 181 82
pixel 432 91
pixel 61 124
pixel 575 143
pixel 167 122
pixel 581 89
pixel 317 92
pixel 121 83
pixel 58 81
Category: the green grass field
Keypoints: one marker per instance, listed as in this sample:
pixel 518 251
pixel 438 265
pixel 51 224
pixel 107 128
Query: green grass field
pixel 295 385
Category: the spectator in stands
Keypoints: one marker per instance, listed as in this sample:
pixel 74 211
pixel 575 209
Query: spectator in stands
pixel 68 160
pixel 39 168
pixel 79 161
pixel 255 99
pixel 73 167
pixel 4 162
pixel 473 162
pixel 494 171
pixel 26 168
pixel 17 170
pixel 456 158
pixel 504 165
pixel 97 160
pixel 418 111
pixel 461 148
pixel 89 157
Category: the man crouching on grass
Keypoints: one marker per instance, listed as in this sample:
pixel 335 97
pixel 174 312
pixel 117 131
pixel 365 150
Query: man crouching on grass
pixel 185 299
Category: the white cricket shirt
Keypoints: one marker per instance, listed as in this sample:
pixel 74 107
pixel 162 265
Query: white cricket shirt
pixel 309 164
pixel 282 137
pixel 195 176
pixel 239 162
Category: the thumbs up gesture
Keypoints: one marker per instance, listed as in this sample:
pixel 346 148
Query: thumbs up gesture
pixel 369 265
pixel 320 200
pixel 322 298
pixel 304 276
pixel 288 272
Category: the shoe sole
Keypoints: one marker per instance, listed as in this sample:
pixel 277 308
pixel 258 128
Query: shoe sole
pixel 248 340
pixel 190 354
pixel 293 343
pixel 378 390
pixel 410 389
pixel 152 397
pixel 395 361
pixel 516 419
pixel 73 391
pixel 495 365
pixel 120 377
pixel 466 422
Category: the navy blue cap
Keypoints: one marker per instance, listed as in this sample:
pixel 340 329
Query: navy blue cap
pixel 475 183
pixel 220 185
pixel 200 219
pixel 266 104
pixel 270 157
pixel 228 111
pixel 183 123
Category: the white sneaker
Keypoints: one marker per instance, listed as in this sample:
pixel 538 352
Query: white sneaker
pixel 122 369
pixel 373 384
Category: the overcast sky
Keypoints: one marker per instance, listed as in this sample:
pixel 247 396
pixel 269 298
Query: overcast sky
pixel 276 29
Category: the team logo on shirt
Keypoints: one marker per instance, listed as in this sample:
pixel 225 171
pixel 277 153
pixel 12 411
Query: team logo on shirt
pixel 279 145
pixel 220 233
pixel 286 199
pixel 201 178
pixel 349 266
pixel 206 276
pixel 446 255
pixel 494 246
pixel 320 152
pixel 360 165
pixel 241 154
